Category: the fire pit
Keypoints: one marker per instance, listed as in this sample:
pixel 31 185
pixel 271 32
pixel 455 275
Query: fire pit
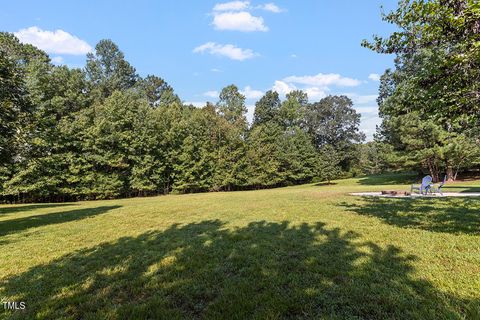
pixel 396 193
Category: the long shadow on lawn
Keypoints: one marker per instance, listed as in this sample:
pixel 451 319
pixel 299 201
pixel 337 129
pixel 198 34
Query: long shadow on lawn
pixel 450 188
pixel 23 208
pixel 262 270
pixel 20 224
pixel 389 179
pixel 450 215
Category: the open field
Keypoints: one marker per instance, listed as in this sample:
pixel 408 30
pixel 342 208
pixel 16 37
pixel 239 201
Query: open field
pixel 297 252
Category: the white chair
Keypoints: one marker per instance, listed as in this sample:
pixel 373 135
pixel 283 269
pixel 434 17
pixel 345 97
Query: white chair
pixel 424 188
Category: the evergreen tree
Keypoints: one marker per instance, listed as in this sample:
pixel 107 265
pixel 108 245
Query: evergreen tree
pixel 298 156
pixel 107 70
pixel 157 91
pixel 231 105
pixel 267 108
pixel 328 164
pixel 263 156
pixel 292 110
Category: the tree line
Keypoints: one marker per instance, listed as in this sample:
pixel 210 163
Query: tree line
pixel 105 132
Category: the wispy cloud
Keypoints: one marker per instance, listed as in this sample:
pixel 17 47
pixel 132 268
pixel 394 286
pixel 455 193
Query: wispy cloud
pixel 245 6
pixel 56 42
pixel 322 80
pixel 226 50
pixel 211 94
pixel 232 6
pixel 272 7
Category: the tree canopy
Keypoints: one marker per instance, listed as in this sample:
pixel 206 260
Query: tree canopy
pixel 430 102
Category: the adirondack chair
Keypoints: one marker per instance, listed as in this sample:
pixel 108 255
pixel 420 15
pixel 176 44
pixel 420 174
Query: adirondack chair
pixel 424 188
pixel 435 189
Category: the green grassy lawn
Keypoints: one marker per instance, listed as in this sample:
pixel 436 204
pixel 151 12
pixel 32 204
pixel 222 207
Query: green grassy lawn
pixel 309 251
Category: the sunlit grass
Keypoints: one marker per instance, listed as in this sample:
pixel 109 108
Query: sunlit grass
pixel 307 251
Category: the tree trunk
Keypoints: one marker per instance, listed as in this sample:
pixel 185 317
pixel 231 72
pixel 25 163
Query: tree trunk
pixel 450 174
pixel 433 169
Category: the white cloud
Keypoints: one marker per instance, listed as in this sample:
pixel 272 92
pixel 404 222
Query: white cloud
pixel 293 55
pixel 272 7
pixel 239 21
pixel 362 99
pixel 226 50
pixel 250 93
pixel 374 77
pixel 57 42
pixel 250 112
pixel 315 93
pixel 57 60
pixel 232 6
pixel 368 124
pixel 317 86
pixel 322 80
pixel 211 94
pixel 282 87
pixel 215 70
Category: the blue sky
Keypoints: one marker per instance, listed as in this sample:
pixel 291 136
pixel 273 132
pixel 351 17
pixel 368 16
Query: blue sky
pixel 201 46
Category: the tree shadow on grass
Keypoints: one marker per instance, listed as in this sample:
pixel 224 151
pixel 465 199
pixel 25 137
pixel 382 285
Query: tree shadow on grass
pixel 449 215
pixel 20 224
pixel 450 188
pixel 389 179
pixel 263 270
pixel 325 183
pixel 23 208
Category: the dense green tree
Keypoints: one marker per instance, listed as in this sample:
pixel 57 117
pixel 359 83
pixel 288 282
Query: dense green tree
pixel 194 170
pixel 157 91
pixel 298 156
pixel 267 108
pixel 431 98
pixel 108 70
pixel 375 157
pixel 12 104
pixel 328 163
pixel 437 49
pixel 292 110
pixel 230 149
pixel 149 158
pixel 263 156
pixel 333 121
pixel 231 105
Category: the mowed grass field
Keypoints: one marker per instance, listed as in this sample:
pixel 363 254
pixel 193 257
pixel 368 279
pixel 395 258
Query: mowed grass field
pixel 309 251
